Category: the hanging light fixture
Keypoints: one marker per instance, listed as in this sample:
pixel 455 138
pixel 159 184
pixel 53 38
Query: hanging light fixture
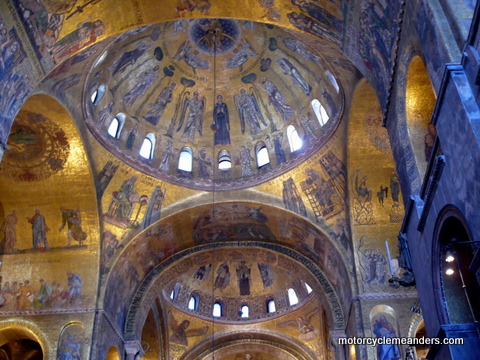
pixel 214 128
pixel 449 256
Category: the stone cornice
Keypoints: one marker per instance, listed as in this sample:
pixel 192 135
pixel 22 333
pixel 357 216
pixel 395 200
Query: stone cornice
pixel 48 312
pixel 373 296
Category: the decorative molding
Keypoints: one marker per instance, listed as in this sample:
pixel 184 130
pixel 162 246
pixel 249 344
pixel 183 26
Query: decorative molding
pixel 374 296
pixel 417 318
pixel 110 323
pixel 40 336
pixel 430 191
pixel 48 312
pixel 393 69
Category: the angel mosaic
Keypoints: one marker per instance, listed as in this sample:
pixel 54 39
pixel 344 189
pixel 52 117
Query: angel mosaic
pixel 144 81
pixel 245 50
pixel 180 333
pixel 307 331
pixel 194 121
pixel 158 107
pixel 186 53
pixel 129 58
pixel 277 99
pixel 297 78
pixel 299 47
pixel 249 111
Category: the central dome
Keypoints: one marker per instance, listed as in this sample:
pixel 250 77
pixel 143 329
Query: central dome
pixel 243 101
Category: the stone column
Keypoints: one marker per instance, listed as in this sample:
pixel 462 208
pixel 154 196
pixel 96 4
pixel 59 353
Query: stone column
pixel 133 350
pixel 340 350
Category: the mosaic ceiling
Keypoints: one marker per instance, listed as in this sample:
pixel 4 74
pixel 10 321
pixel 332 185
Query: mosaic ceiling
pixel 214 90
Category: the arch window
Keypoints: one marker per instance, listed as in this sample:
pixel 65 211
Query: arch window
pixel 217 309
pixel 292 297
pixel 193 302
pixel 100 59
pixel 245 311
pixel 456 276
pixel 309 289
pixel 293 139
pixel 224 160
pixel 320 112
pixel 185 161
pixel 98 94
pixel 262 154
pixel 332 79
pixel 175 291
pixel 116 126
pixel 148 145
pixel 271 307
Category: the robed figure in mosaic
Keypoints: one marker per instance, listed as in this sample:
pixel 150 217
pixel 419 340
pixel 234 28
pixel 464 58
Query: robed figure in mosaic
pixel 249 111
pixel 222 120
pixel 39 231
pixel 7 246
pixel 194 121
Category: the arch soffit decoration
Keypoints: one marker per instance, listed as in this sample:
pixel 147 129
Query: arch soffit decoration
pixel 148 13
pixel 131 242
pixel 12 329
pixel 153 283
pixel 448 212
pixel 270 203
pixel 263 342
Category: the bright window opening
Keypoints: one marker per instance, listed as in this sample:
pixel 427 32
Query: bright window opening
pixel 320 112
pixel 113 128
pixel 262 155
pixel 98 95
pixel 175 291
pixel 185 161
pixel 292 297
pixel 116 126
pixel 309 289
pixel 217 310
pixel 146 151
pixel 332 80
pixel 224 160
pixel 245 311
pixel 271 308
pixel 293 139
pixel 192 303
pixel 100 59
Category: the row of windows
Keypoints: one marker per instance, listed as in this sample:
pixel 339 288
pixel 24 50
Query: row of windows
pixel 185 162
pixel 218 310
pixel 224 159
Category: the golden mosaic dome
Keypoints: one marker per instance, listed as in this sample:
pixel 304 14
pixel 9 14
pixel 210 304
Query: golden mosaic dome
pixel 223 103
